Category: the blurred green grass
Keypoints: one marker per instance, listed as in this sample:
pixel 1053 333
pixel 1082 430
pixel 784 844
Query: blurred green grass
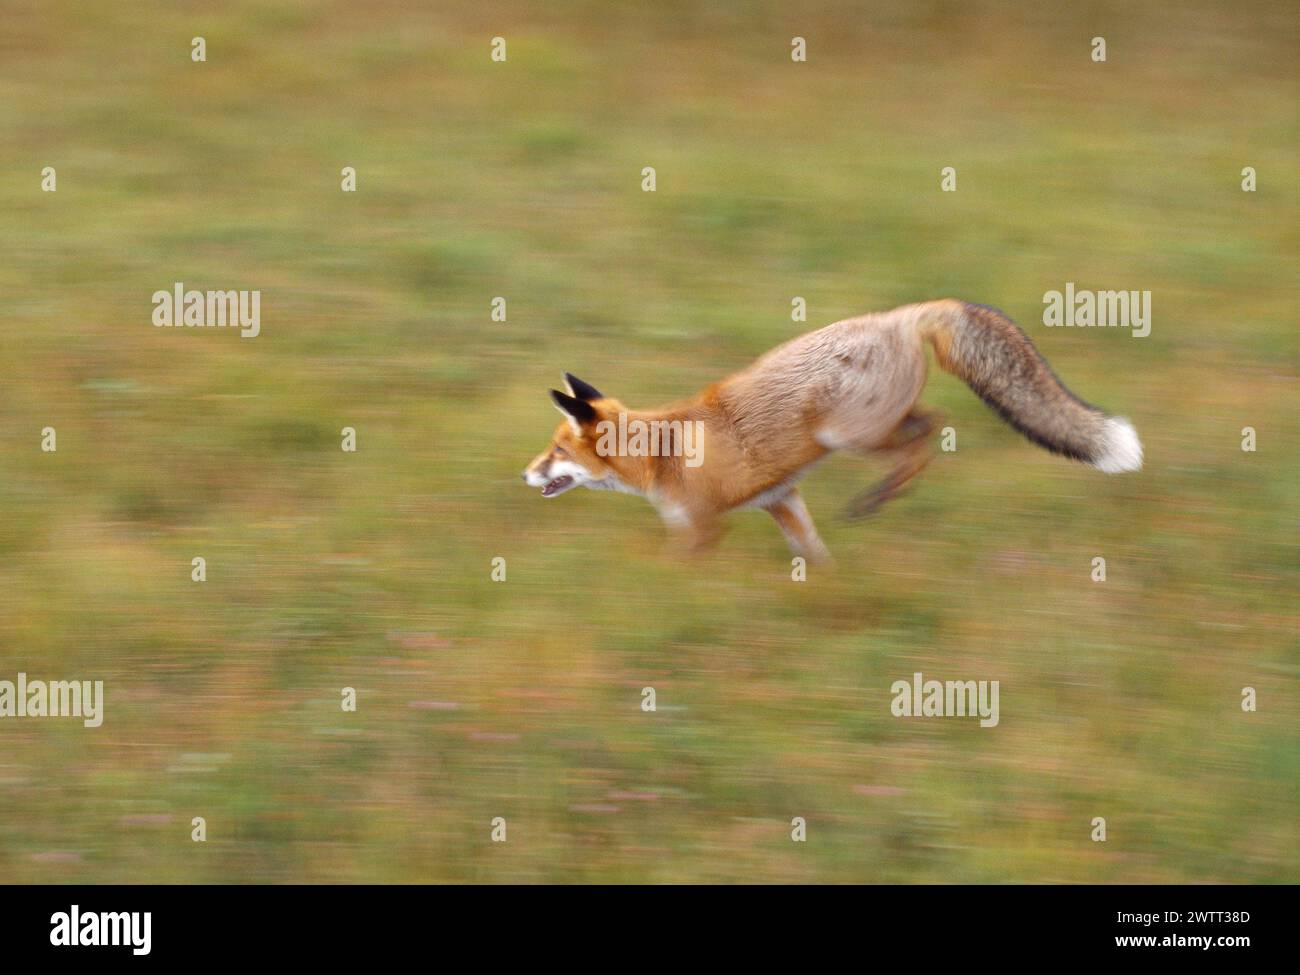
pixel 521 699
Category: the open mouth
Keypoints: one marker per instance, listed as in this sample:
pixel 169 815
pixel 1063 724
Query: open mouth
pixel 557 486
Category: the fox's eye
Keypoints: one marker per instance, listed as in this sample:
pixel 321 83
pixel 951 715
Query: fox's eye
pixel 561 452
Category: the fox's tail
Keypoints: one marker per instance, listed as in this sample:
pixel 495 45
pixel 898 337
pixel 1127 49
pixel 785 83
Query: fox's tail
pixel 983 347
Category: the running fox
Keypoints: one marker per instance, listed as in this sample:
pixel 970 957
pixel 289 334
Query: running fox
pixel 852 386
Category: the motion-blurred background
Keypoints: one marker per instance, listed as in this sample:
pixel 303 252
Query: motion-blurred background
pixel 521 699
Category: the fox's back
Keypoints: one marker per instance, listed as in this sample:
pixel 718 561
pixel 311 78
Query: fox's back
pixel 846 384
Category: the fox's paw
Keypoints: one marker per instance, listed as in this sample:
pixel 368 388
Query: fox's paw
pixel 868 503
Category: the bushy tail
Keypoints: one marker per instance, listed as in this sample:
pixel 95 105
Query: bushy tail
pixel 983 347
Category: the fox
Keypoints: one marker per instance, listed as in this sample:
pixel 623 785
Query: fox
pixel 850 386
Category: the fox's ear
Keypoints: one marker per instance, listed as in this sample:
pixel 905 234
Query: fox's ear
pixel 578 411
pixel 584 391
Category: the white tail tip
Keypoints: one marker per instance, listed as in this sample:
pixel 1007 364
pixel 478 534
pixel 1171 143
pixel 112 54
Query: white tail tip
pixel 1121 450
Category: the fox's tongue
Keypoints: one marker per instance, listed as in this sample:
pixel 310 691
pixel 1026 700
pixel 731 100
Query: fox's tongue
pixel 556 486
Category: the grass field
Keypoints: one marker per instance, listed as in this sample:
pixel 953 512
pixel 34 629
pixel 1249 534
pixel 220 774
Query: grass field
pixel 521 699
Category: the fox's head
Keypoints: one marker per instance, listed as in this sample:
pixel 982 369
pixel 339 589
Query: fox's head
pixel 571 459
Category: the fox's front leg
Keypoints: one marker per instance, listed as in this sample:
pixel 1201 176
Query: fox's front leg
pixel 694 533
pixel 796 525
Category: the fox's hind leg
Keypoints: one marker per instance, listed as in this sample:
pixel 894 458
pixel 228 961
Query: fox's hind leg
pixel 792 517
pixel 908 444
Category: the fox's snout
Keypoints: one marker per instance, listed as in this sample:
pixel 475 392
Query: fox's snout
pixel 554 476
pixel 537 473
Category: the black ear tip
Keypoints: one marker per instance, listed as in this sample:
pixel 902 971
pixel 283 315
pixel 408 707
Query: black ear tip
pixel 583 391
pixel 566 402
pixel 580 410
